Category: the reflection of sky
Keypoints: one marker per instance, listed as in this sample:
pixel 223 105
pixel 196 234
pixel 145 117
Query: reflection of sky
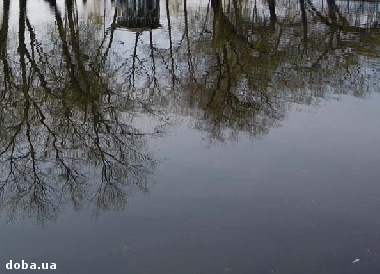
pixel 357 12
pixel 305 197
pixel 302 200
pixel 38 12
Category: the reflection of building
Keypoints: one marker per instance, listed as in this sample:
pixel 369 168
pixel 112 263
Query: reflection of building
pixel 138 14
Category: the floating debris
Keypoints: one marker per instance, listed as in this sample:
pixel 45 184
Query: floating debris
pixel 356 261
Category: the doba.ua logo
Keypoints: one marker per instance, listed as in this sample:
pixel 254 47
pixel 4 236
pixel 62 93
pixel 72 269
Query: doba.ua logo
pixel 24 265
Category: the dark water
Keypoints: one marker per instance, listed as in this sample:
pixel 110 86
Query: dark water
pixel 190 137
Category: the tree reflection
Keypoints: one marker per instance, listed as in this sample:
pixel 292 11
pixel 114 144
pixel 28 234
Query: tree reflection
pixel 64 135
pixel 69 106
pixel 258 66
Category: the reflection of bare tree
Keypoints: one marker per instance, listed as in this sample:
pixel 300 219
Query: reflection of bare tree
pixel 66 137
pixel 236 71
pixel 4 47
pixel 254 68
pixel 68 107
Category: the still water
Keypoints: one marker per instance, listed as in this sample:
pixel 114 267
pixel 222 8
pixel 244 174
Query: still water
pixel 221 136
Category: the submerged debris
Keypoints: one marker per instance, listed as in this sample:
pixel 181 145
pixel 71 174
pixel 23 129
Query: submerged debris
pixel 356 261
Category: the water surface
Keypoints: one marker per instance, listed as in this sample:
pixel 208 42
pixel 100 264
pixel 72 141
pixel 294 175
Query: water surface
pixel 190 137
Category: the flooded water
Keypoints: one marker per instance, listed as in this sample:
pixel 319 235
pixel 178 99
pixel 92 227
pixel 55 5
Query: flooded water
pixel 221 136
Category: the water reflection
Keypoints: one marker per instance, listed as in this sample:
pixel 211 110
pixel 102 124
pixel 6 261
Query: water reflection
pixel 74 91
pixel 64 136
pixel 138 15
